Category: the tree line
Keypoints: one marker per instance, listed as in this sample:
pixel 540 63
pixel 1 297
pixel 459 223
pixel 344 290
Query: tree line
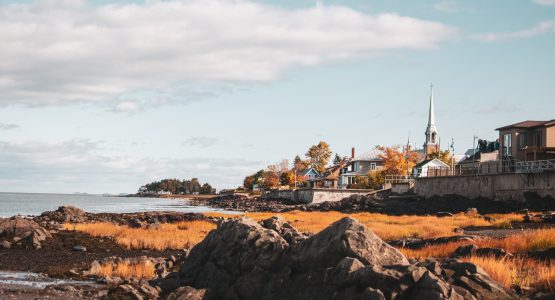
pixel 396 160
pixel 176 186
pixel 284 174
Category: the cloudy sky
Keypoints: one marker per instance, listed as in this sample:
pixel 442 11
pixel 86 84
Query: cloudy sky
pixel 101 96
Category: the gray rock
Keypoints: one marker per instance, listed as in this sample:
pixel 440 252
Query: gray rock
pixel 344 238
pixel 5 245
pixel 187 293
pixel 442 214
pixel 80 249
pixel 124 292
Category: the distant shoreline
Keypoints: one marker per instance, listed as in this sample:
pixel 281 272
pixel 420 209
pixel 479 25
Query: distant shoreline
pixel 174 196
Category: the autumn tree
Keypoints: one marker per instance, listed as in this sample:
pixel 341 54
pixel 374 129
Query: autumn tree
pixel 270 180
pixel 376 179
pixel 318 156
pixel 444 156
pixel 396 162
pixel 287 178
pixel 248 182
pixel 299 164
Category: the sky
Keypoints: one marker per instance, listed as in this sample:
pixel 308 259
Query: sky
pixel 102 96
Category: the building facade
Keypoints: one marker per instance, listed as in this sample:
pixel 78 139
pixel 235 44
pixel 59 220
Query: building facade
pixel 360 166
pixel 527 141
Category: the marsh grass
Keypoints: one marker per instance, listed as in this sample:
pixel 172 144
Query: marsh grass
pixel 168 236
pixel 125 270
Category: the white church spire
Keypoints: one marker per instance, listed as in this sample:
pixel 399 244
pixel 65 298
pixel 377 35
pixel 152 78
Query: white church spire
pixel 432 138
pixel 431 116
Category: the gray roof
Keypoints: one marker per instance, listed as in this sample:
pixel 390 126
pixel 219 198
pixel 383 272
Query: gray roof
pixel 372 155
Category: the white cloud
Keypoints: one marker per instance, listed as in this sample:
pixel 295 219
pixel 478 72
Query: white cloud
pixel 60 52
pixel 201 141
pixel 5 126
pixel 82 165
pixel 544 2
pixel 539 29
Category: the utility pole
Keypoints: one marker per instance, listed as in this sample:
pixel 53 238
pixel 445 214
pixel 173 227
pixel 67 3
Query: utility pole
pixel 452 156
pixel 474 146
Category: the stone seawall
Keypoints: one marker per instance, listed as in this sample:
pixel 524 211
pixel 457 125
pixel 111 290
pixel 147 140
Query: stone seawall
pixel 501 187
pixel 315 195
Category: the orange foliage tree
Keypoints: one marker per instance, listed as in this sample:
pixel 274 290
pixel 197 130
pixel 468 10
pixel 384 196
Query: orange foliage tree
pixel 396 162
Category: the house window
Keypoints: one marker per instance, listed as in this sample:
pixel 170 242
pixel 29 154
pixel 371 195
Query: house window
pixel 522 141
pixel 507 145
pixel 373 166
pixel 538 139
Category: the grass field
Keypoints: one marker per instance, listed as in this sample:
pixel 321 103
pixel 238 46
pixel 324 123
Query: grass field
pixel 389 227
pixel 519 270
pixel 168 236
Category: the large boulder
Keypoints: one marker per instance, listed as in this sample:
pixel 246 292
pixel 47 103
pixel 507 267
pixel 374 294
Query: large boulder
pixel 235 259
pixel 22 231
pixel 243 259
pixel 344 238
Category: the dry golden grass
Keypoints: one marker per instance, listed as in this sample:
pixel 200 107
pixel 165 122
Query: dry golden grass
pixel 520 271
pixel 168 236
pixel 386 227
pixel 527 241
pixel 144 269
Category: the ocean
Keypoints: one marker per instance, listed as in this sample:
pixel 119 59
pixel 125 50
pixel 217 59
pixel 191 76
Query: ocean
pixel 34 204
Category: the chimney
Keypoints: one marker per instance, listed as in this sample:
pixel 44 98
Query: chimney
pixel 353 152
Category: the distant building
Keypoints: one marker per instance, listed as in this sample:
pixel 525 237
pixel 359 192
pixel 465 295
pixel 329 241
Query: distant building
pixel 527 140
pixel 360 166
pixel 309 174
pixel 431 167
pixel 330 178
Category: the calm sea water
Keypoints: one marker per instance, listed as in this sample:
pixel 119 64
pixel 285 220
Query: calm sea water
pixel 34 204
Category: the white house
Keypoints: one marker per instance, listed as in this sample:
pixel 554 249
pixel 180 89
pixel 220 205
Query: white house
pixel 430 167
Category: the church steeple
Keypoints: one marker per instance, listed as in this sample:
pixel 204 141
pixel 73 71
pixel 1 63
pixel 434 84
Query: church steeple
pixel 432 140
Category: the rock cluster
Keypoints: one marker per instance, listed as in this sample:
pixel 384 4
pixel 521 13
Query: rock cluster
pixel 243 259
pixel 23 232
pixel 64 214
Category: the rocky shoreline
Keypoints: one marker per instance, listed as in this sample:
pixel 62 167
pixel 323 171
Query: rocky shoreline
pixel 244 259
pixel 384 202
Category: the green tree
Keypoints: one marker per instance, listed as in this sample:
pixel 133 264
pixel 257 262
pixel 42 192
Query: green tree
pixel 337 159
pixel 318 156
pixel 206 189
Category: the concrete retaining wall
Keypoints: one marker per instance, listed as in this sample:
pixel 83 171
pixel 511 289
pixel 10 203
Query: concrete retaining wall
pixel 502 187
pixel 315 195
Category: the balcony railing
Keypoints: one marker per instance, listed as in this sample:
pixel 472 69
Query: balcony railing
pixel 535 166
pixel 398 179
pixel 496 167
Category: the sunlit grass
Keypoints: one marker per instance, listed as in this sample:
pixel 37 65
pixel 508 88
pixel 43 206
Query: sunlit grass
pixel 125 270
pixel 387 227
pixel 520 271
pixel 522 243
pixel 168 236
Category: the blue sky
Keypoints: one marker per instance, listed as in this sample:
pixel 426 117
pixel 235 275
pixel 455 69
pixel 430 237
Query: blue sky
pixel 99 97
